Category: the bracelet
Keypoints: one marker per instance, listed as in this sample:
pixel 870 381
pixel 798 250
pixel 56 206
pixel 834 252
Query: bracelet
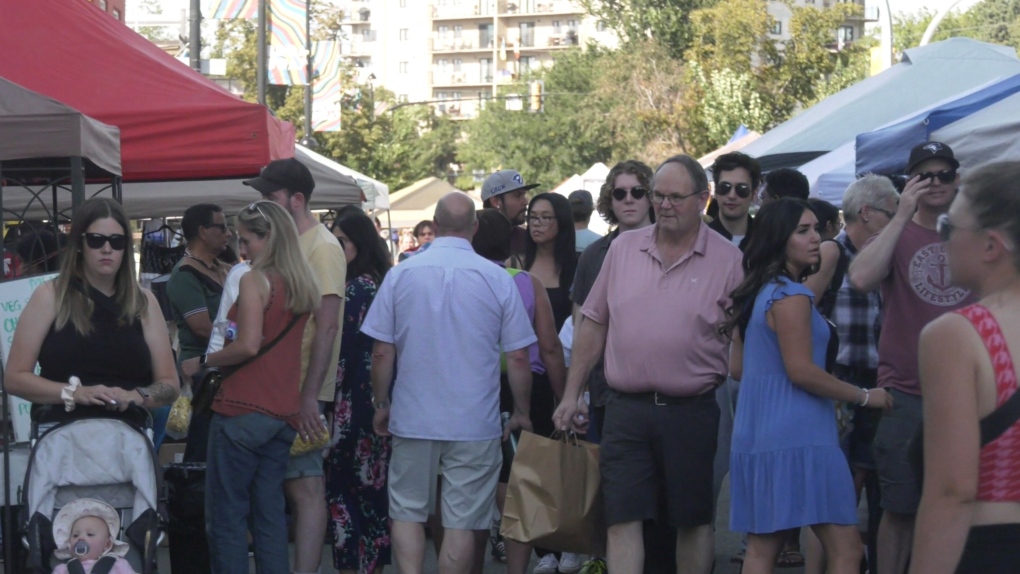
pixel 864 401
pixel 67 393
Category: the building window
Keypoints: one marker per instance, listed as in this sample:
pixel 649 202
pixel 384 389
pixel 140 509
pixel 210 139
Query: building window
pixel 527 34
pixel 403 34
pixel 444 66
pixel 485 70
pixel 602 27
pixel 402 98
pixel 116 13
pixel 529 63
pixel 846 34
pixel 457 63
pixel 572 25
pixel 557 27
pixel 102 4
pixel 403 67
pixel 777 28
pixel 456 96
pixel 458 31
pixel 403 3
pixel 443 31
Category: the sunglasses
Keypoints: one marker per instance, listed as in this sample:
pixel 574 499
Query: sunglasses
pixel 253 207
pixel 96 241
pixel 221 226
pixel 743 190
pixel 620 194
pixel 945 228
pixel 945 176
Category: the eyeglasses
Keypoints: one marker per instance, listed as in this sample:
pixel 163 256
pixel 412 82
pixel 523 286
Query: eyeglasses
pixel 945 176
pixel 885 212
pixel 743 190
pixel 674 198
pixel 221 226
pixel 254 206
pixel 945 228
pixel 96 241
pixel 637 192
pixel 541 219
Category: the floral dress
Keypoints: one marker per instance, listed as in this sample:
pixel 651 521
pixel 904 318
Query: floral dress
pixel 357 463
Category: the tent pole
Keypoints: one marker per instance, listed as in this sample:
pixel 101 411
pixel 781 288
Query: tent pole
pixel 261 50
pixel 77 184
pixel 393 242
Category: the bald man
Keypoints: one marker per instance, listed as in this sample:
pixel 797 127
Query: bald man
pixel 443 414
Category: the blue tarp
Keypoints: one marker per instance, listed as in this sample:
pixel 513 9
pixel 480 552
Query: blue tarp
pixel 885 150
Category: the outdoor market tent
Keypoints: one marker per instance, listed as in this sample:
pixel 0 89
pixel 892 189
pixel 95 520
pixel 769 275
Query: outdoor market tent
pixel 737 144
pixel 417 202
pixel 44 142
pixel 887 150
pixel 924 76
pixel 175 124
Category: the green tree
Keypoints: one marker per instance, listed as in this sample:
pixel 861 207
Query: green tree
pixel 153 33
pixel 665 21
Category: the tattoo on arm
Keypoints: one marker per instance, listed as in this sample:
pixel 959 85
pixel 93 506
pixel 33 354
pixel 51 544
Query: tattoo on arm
pixel 162 393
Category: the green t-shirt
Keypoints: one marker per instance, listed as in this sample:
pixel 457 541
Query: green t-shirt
pixel 191 292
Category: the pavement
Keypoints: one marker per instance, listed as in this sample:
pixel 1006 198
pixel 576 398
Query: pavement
pixel 726 545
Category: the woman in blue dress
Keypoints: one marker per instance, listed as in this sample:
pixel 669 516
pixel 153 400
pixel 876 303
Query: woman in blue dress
pixel 786 467
pixel 357 463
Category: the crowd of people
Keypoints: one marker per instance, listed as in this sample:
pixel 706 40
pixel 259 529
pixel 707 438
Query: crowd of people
pixel 728 325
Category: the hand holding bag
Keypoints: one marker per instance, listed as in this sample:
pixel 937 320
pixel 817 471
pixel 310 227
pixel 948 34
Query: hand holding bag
pixel 554 496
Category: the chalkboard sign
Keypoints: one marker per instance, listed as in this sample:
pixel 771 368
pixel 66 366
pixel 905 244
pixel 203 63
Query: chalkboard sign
pixel 14 296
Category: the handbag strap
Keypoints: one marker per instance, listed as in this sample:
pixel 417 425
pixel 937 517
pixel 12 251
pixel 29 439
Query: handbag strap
pixel 266 348
pixel 1001 419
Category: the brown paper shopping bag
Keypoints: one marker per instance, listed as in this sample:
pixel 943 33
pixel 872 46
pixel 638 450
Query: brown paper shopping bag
pixel 554 499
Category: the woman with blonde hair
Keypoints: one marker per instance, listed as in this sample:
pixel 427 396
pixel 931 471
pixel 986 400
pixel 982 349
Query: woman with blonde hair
pixel 258 403
pixel 969 518
pixel 99 339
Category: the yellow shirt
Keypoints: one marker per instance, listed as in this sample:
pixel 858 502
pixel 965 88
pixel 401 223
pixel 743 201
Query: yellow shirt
pixel 326 257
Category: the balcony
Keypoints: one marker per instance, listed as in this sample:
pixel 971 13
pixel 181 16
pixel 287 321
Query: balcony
pixel 480 9
pixel 459 109
pixel 463 78
pixel 533 7
pixel 469 43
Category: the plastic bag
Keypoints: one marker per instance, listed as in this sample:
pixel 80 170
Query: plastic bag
pixel 301 446
pixel 180 415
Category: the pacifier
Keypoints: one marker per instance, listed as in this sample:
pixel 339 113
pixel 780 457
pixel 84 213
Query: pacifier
pixel 81 548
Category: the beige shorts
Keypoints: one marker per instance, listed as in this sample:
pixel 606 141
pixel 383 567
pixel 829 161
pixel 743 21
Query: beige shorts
pixel 469 471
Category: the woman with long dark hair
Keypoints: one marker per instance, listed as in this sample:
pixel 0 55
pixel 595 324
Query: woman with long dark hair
pixel 786 466
pixel 550 251
pixel 969 518
pixel 357 462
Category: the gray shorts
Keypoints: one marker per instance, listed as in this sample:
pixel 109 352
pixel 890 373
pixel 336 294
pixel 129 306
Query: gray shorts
pixel 469 471
pixel 308 464
pixel 899 483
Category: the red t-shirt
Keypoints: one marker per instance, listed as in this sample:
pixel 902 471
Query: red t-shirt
pixel 916 291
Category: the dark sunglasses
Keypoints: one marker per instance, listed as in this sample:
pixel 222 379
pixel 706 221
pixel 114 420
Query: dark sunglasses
pixel 945 176
pixel 945 228
pixel 743 190
pixel 96 241
pixel 620 194
pixel 221 226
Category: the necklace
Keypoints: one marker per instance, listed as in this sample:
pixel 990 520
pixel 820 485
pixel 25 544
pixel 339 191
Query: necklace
pixel 213 267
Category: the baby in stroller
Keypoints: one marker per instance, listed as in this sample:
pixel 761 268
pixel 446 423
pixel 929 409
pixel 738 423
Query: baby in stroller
pixel 85 534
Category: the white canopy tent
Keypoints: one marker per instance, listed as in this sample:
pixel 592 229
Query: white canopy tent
pixel 590 181
pixel 918 81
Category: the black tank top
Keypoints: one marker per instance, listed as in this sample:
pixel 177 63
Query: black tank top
pixel 562 307
pixel 114 354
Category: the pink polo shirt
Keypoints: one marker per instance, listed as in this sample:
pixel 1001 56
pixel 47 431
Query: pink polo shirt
pixel 663 322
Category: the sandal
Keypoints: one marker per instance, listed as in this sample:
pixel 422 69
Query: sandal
pixel 790 559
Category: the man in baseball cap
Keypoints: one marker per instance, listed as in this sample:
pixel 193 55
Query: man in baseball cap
pixel 506 191
pixel 284 174
pixel 906 261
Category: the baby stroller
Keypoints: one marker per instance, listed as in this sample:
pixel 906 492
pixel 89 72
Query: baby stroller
pixel 102 458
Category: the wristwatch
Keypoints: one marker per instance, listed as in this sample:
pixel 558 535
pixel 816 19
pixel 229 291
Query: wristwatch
pixel 67 393
pixel 380 405
pixel 201 360
pixel 145 394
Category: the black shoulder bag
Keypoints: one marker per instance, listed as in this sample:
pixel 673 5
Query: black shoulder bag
pixel 213 379
pixel 992 426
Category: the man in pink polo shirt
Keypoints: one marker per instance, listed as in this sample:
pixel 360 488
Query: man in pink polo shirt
pixel 654 311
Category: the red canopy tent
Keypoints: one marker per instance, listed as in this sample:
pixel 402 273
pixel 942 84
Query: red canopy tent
pixel 174 123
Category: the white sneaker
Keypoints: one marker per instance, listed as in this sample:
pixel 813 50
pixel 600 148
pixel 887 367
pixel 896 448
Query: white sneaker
pixel 570 563
pixel 547 565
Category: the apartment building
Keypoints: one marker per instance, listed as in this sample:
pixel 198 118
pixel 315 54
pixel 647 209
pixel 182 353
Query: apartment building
pixel 457 53
pixel 114 8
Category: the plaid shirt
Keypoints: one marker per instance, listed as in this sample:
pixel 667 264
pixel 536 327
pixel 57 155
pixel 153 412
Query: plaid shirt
pixel 858 319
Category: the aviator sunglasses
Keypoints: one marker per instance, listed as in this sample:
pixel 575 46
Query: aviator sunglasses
pixel 96 241
pixel 723 189
pixel 945 176
pixel 637 192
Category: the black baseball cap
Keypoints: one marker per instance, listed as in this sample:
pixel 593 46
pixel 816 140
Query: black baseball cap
pixel 289 174
pixel 928 150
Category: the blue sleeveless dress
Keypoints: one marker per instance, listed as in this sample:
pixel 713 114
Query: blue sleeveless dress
pixel 786 467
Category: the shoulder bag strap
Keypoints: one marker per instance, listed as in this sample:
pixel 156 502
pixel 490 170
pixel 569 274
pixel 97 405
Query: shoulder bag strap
pixel 267 347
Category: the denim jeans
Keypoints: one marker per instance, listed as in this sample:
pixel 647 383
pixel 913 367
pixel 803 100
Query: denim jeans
pixel 247 461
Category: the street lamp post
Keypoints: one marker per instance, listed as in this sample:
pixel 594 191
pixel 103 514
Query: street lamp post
pixel 308 141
